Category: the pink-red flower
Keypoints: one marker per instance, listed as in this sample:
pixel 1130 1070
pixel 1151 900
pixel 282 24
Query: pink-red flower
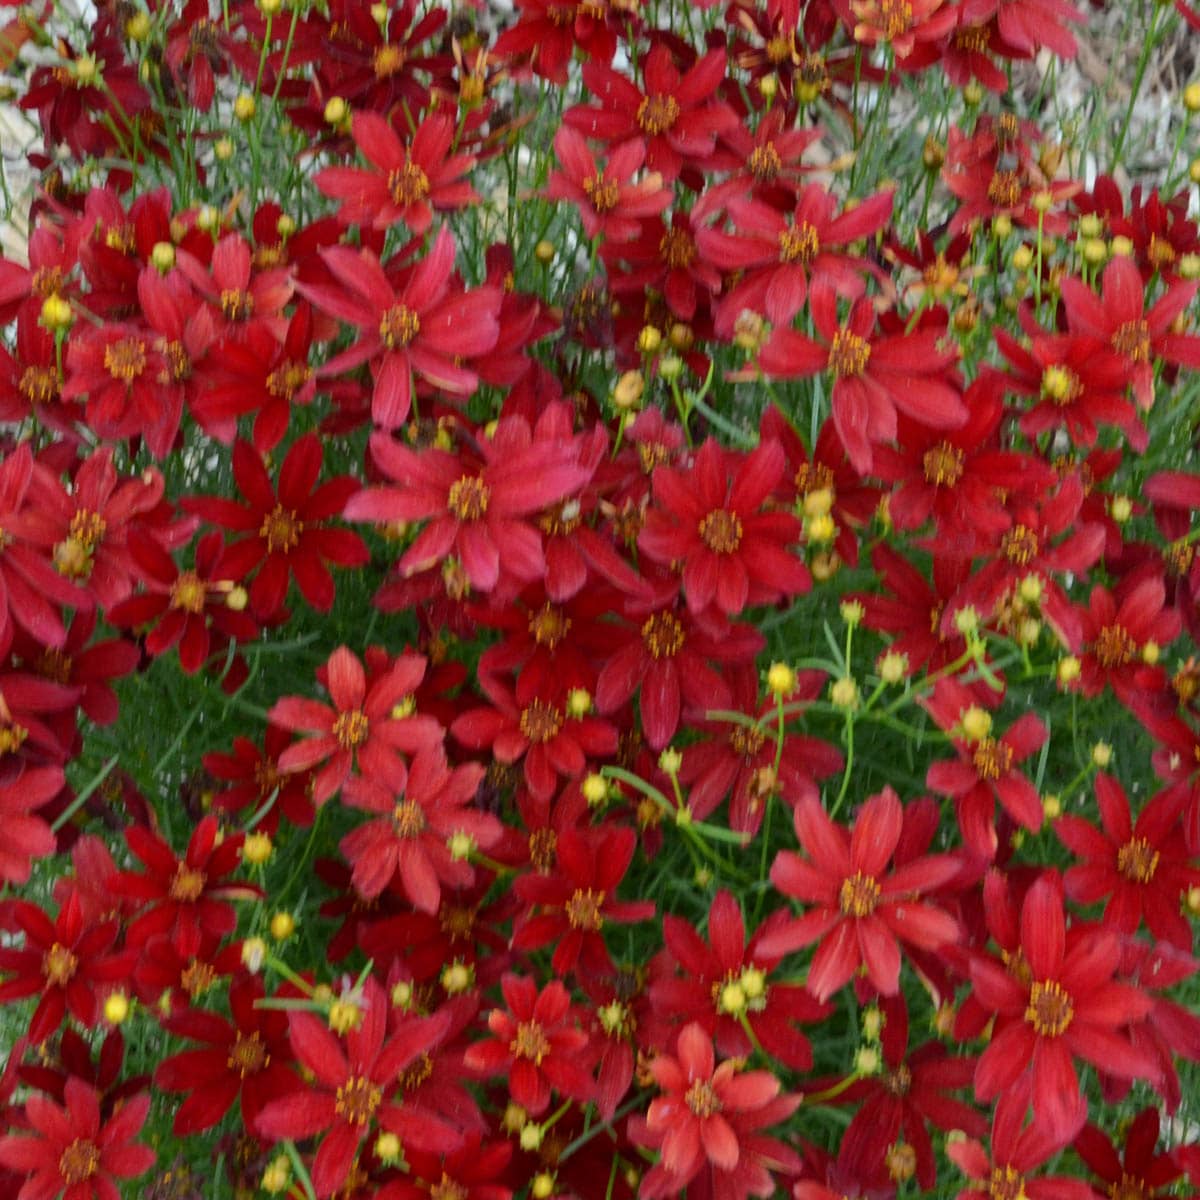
pixel 859 913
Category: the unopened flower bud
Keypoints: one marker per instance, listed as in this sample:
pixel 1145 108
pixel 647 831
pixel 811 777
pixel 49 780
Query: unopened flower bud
pixel 1191 97
pixel 1067 670
pixel 852 613
pixel 256 849
pixel 1121 247
pixel 669 762
pixel 345 1014
pixel 387 1147
pixel 277 1175
pixel 594 789
pixel 843 693
pixel 1051 806
pixel 649 339
pixel 283 925
pixel 163 257
pixel 781 679
pixel 542 1187
pixel 1102 754
pixel 254 953
pixel 244 107
pixel 337 111
pixel 627 394
pixel 56 313
pixel 544 252
pixel 531 1136
pixel 892 667
pixel 116 1008
pixel 867 1061
pixel 579 702
pixel 137 28
pixel 976 723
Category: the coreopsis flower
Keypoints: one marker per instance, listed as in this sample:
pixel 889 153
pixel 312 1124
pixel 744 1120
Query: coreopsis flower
pixel 244 1058
pixel 768 158
pixel 30 384
pixel 912 1092
pixel 26 835
pixel 1141 868
pixel 677 117
pixel 32 592
pixel 66 962
pixel 1139 1168
pixel 537 1043
pixel 408 182
pixel 901 26
pixel 1119 318
pixel 414 844
pixel 873 375
pixel 548 32
pixel 424 328
pixel 738 759
pixel 726 987
pixel 32 724
pixel 186 606
pixel 1059 1001
pixel 1079 384
pixel 197 48
pixel 609 203
pixel 73 1151
pixel 776 255
pixel 257 374
pixel 241 297
pixel 1122 635
pixel 549 726
pixel 1006 1166
pixel 91 520
pixel 473 1172
pixel 707 1123
pixel 710 521
pixel 353 1085
pixel 578 898
pixel 987 768
pixel 184 897
pixel 284 534
pixel 1028 25
pixel 663 653
pixel 366 726
pixel 253 776
pixel 859 914
pixel 478 509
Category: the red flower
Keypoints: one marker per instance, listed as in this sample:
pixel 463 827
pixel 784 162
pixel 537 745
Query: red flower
pixel 777 255
pixel 726 987
pixel 708 1119
pixel 424 328
pixel 187 604
pixel 709 519
pixel 1119 318
pixel 1139 1170
pixel 536 1043
pixel 481 511
pixel 187 897
pixel 873 375
pixel 1122 637
pixel 549 32
pixel 415 842
pixel 73 1148
pixel 1028 25
pixel 666 654
pixel 859 914
pixel 578 898
pixel 242 298
pixel 286 533
pixel 361 728
pixel 245 1057
pixel 1005 1168
pixel 608 203
pixel 1057 1002
pixel 986 769
pixel 677 118
pixel 352 1087
pixel 1142 868
pixel 26 835
pixel 255 776
pixel 408 182
pixel 67 961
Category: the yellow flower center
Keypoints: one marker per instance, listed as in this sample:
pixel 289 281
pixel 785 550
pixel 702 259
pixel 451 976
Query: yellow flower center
pixel 656 114
pixel 1137 861
pixel 848 354
pixel 356 1100
pixel 799 244
pixel 583 909
pixel 1050 1010
pixel 59 965
pixel 992 758
pixel 407 184
pixel 281 530
pixel 188 885
pixel 540 722
pixel 125 360
pixel 943 465
pixel 663 635
pixel 721 531
pixel 468 499
pixel 604 194
pixel 530 1042
pixel 701 1097
pixel 398 326
pixel 247 1055
pixel 79 1162
pixel 350 728
pixel 1114 646
pixel 859 895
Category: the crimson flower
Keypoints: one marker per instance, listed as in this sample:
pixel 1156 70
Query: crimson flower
pixel 246 1056
pixel 73 1151
pixel 284 534
pixel 362 727
pixel 1143 868
pixel 26 835
pixel 708 1119
pixel 408 182
pixel 873 375
pixel 859 914
pixel 537 1043
pixel 986 768
pixel 677 117
pixel 254 776
pixel 709 519
pixel 187 605
pixel 776 255
pixel 1123 634
pixel 549 31
pixel 608 203
pixel 1028 25
pixel 479 512
pixel 1139 1168
pixel 1055 1003
pixel 1004 1169
pixel 417 841
pixel 66 961
pixel 187 897
pixel 242 298
pixel 578 898
pixel 424 328
pixel 726 986
pixel 352 1087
